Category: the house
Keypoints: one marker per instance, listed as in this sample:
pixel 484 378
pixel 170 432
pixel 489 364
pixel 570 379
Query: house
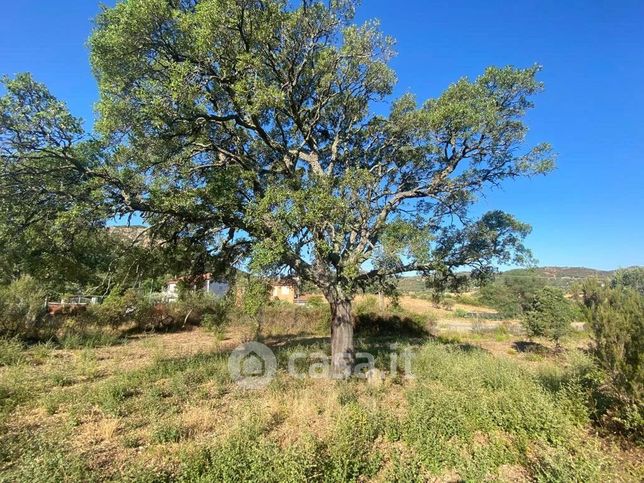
pixel 205 283
pixel 285 289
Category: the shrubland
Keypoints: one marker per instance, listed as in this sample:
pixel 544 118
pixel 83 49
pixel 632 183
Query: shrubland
pixel 549 315
pixel 466 414
pixel 616 319
pixel 478 407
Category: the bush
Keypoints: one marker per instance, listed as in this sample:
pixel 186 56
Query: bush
pixel 630 278
pixel 117 309
pixel 199 308
pixel 447 304
pixel 284 318
pixel 22 308
pixel 549 315
pixel 11 352
pixel 366 305
pixel 317 301
pixel 616 319
pixel 392 324
pixel 511 296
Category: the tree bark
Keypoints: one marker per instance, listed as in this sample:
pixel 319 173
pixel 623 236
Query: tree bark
pixel 342 351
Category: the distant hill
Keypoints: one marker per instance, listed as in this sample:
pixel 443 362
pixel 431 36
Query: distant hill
pixel 558 276
pixel 560 272
pixel 137 234
pixel 563 277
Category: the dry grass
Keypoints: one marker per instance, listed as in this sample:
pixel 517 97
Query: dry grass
pixel 144 408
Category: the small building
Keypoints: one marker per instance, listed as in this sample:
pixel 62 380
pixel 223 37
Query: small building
pixel 284 289
pixel 205 283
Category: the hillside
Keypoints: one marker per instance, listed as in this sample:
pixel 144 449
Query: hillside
pixel 558 276
pixel 561 272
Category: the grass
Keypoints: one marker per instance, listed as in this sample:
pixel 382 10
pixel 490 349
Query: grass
pixel 11 352
pixel 157 409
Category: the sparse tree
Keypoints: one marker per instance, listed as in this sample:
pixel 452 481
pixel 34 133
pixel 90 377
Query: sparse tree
pixel 549 315
pixel 248 125
pixel 511 295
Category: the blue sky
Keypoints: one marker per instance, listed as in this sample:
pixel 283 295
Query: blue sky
pixel 589 212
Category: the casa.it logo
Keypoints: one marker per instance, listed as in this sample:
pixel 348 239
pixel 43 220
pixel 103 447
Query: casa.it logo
pixel 252 365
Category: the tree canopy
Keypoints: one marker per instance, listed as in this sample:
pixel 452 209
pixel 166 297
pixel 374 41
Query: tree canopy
pixel 250 127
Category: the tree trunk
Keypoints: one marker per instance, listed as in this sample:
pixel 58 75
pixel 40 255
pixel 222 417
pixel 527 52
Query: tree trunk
pixel 342 352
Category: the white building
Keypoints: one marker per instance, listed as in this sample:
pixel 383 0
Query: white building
pixel 204 283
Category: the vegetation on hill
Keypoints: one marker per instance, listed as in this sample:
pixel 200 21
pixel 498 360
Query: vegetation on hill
pixel 563 277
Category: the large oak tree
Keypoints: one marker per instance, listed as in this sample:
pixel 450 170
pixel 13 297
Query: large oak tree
pixel 253 126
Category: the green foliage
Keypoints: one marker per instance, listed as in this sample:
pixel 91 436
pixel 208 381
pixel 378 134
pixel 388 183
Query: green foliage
pixel 317 301
pixel 22 308
pixel 511 296
pixel 313 152
pixel 629 278
pixel 616 318
pixel 46 231
pixel 472 413
pixel 197 307
pixel 549 315
pixel 392 324
pixel 166 432
pixel 279 319
pixel 11 352
pixel 254 296
pixel 246 455
pixel 117 309
pixel 464 299
pixel 245 130
pixel 460 313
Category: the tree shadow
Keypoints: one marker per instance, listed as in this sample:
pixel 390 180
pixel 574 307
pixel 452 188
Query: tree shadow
pixel 531 347
pixel 458 344
pixel 288 341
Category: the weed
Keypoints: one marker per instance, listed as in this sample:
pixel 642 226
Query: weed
pixel 11 352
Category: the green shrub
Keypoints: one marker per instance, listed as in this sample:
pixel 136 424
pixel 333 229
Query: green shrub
pixel 11 352
pixel 193 308
pixel 548 315
pixel 471 413
pixel 398 323
pixel 280 318
pixel 463 298
pixel 352 456
pixel 460 313
pixel 166 432
pixel 247 455
pixel 511 296
pixel 447 304
pixel 616 319
pixel 22 308
pixel 317 301
pixel 118 309
pixel 632 278
pixel 366 305
pixel 135 309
